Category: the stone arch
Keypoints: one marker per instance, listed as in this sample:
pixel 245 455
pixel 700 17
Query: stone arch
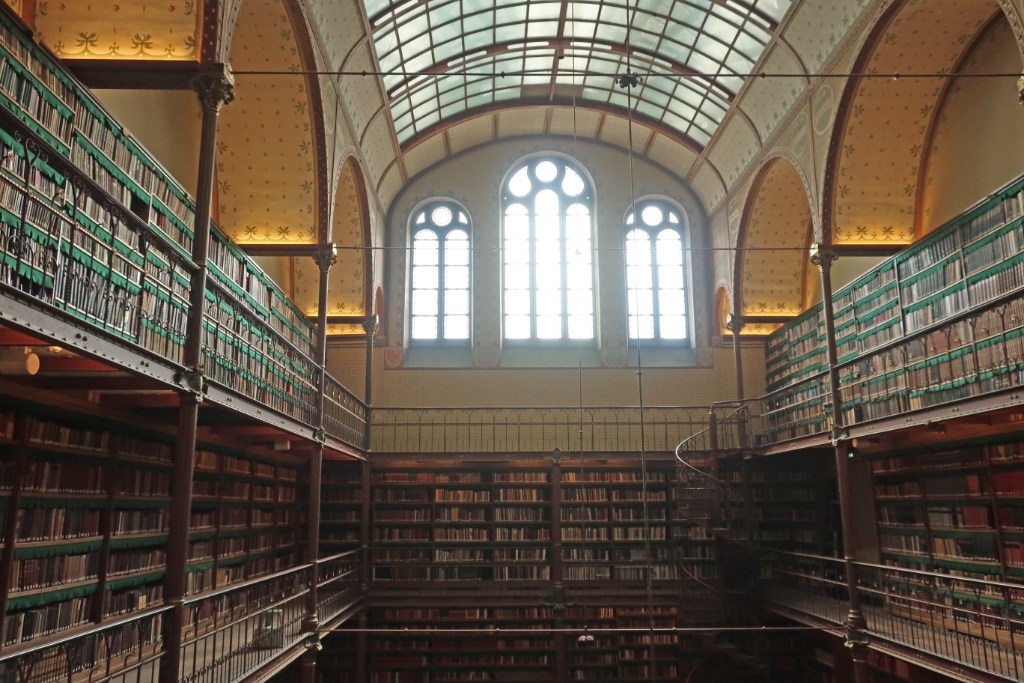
pixel 881 133
pixel 771 250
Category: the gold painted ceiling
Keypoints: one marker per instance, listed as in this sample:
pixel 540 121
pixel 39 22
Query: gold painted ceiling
pixel 265 163
pixel 129 30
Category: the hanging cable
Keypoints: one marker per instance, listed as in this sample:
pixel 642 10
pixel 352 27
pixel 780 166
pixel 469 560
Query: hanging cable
pixel 628 81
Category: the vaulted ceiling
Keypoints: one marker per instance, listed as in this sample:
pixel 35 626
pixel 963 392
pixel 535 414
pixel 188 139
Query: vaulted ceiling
pixel 341 102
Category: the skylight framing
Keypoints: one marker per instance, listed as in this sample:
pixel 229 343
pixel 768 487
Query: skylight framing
pixel 443 59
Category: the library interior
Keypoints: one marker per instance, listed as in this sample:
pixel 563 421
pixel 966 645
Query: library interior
pixel 423 341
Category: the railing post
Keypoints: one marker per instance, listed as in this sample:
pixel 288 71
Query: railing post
pixel 712 431
pixel 735 325
pixel 215 86
pixel 856 638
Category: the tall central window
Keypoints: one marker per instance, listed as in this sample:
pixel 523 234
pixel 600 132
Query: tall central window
pixel 548 253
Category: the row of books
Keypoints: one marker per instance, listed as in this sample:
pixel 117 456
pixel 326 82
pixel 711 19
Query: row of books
pixel 44 572
pixel 56 523
pixel 38 108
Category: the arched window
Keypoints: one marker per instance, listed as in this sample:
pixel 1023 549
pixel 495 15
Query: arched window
pixel 548 254
pixel 439 283
pixel 656 272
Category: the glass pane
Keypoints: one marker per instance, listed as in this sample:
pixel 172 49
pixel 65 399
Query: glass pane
pixel 441 216
pixel 641 301
pixel 639 277
pixel 581 327
pixel 456 245
pixel 581 302
pixel 517 252
pixel 519 184
pixel 638 248
pixel 517 327
pixel 548 303
pixel 641 327
pixel 672 302
pixel 549 278
pixel 578 275
pixel 456 302
pixel 424 327
pixel 517 302
pixel 456 327
pixel 670 248
pixel 549 327
pixel 572 183
pixel 517 276
pixel 424 248
pixel 546 171
pixel 456 277
pixel 651 215
pixel 670 277
pixel 673 327
pixel 424 302
pixel 424 277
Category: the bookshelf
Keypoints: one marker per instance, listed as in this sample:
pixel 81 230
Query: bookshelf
pixel 938 322
pixel 84 518
pixel 955 510
pixel 91 223
pixel 793 500
pixel 343 505
pixel 504 523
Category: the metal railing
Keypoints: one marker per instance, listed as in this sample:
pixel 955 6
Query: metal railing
pixel 230 632
pixel 533 429
pixel 972 622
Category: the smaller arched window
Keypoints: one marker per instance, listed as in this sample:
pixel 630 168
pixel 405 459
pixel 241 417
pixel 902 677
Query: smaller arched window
pixel 656 279
pixel 439 282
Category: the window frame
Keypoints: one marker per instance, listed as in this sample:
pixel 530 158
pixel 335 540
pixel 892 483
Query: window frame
pixel 586 197
pixel 682 229
pixel 427 208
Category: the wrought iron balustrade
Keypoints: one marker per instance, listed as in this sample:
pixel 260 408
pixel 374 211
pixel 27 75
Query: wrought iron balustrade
pixel 533 429
pixel 976 623
pixel 230 633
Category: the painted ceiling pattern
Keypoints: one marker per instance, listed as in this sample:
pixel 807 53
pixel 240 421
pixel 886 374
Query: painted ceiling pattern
pixel 778 228
pixel 265 158
pixel 16 5
pixel 877 180
pixel 131 30
pixel 346 289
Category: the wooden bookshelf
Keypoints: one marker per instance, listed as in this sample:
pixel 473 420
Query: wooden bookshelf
pixel 954 510
pixel 940 321
pixel 91 223
pixel 84 518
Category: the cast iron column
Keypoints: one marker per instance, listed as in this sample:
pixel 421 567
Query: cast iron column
pixel 215 86
pixel 311 622
pixel 856 638
pixel 370 327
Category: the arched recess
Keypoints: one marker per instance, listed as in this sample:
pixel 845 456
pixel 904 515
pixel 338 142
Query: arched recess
pixel 269 163
pixel 350 284
pixel 772 247
pixel 723 309
pixel 881 136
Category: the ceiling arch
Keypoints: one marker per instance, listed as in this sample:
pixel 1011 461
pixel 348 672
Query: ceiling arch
pixel 267 164
pixel 879 142
pixel 440 58
pixel 772 245
pixel 350 282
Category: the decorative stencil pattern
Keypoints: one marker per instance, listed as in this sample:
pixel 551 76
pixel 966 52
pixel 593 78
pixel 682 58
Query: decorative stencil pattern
pixel 16 5
pixel 266 178
pixel 877 179
pixel 74 29
pixel 777 228
pixel 818 27
pixel 345 289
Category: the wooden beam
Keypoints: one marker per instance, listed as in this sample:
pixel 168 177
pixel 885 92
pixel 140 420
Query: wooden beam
pixel 134 74
pixel 281 249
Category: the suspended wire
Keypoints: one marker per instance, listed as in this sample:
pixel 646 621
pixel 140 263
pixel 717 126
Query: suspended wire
pixel 894 76
pixel 628 81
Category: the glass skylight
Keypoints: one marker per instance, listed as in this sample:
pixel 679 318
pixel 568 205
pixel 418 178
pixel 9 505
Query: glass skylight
pixel 442 58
